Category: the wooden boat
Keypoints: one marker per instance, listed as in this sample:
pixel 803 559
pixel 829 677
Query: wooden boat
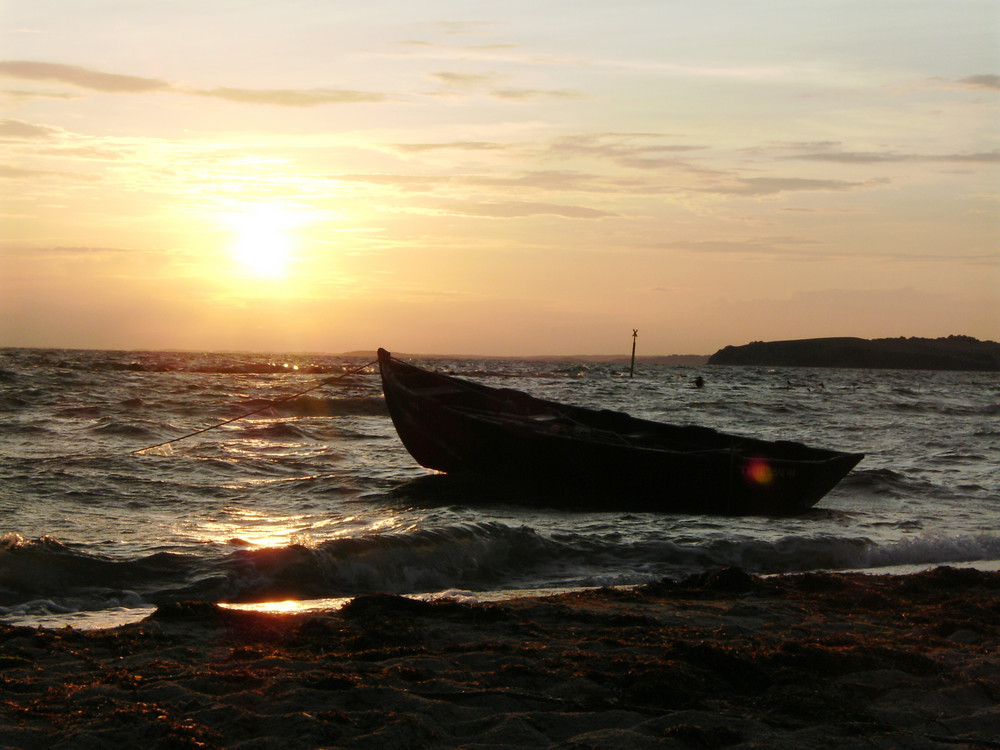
pixel 588 456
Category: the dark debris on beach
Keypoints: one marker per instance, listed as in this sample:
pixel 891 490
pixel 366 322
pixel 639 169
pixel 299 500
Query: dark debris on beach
pixel 719 660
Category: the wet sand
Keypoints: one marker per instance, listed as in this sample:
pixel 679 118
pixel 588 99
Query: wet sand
pixel 721 660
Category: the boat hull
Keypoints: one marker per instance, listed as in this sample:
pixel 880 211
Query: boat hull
pixel 602 458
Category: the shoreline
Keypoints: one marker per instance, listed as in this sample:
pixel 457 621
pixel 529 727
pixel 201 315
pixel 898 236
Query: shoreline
pixel 721 659
pixel 108 619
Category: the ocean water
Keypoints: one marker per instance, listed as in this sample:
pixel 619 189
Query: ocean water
pixel 314 499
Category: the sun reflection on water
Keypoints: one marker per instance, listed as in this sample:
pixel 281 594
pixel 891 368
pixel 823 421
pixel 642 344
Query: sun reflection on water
pixel 247 527
pixel 243 527
pixel 290 606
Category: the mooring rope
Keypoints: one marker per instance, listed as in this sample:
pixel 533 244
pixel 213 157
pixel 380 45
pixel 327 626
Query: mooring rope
pixel 268 405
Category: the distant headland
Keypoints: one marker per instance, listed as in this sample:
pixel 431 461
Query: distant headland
pixel 951 353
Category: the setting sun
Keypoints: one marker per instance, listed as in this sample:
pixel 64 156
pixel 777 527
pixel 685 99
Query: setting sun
pixel 263 245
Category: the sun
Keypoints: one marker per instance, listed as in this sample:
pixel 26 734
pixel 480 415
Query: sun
pixel 263 245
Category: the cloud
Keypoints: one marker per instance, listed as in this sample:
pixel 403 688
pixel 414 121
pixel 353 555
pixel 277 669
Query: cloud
pixel 805 249
pixel 64 251
pixel 17 129
pixel 633 150
pixel 15 173
pixel 519 209
pixel 27 95
pixel 545 180
pixel 465 80
pixel 489 84
pixel 82 77
pixel 987 258
pixel 521 94
pixel 84 251
pixel 558 180
pixel 785 246
pixel 451 146
pixel 774 185
pixel 463 27
pixel 405 182
pixel 985 81
pixel 880 157
pixel 114 83
pixel 293 97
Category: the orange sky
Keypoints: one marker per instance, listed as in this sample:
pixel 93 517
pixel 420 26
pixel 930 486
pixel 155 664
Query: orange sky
pixel 503 178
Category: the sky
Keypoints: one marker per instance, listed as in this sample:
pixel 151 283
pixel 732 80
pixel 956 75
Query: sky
pixel 513 178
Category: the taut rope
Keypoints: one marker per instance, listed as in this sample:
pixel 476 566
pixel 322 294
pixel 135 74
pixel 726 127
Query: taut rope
pixel 267 406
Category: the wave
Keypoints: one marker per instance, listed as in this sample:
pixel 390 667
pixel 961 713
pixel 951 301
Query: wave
pixel 9 402
pixel 46 575
pixel 318 406
pixel 24 429
pixel 935 549
pixel 888 483
pixel 272 431
pixel 357 406
pixel 112 427
pixel 222 368
pixel 472 556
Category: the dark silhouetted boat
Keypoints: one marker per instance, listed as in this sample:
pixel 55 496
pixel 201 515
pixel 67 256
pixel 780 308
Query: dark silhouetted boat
pixel 590 457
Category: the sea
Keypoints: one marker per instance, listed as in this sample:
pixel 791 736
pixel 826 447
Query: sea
pixel 287 489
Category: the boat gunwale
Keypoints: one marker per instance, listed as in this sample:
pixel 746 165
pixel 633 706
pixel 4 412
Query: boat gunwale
pixel 744 446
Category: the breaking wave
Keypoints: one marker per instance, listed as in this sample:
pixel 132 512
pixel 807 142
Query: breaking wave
pixel 46 575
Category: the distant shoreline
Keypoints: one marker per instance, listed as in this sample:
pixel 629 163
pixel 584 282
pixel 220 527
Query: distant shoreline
pixel 660 359
pixel 951 353
pixel 649 359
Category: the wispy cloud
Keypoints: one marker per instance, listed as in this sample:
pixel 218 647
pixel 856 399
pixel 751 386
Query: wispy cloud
pixel 406 183
pixel 113 83
pixel 549 180
pixel 787 246
pixel 465 80
pixel 494 85
pixel 804 249
pixel 517 183
pixel 451 146
pixel 82 77
pixel 85 251
pixel 16 129
pixel 519 209
pixel 527 93
pixel 452 84
pixel 16 95
pixel 293 97
pixel 463 27
pixel 984 81
pixel 633 150
pixel 758 186
pixel 879 157
pixel 17 173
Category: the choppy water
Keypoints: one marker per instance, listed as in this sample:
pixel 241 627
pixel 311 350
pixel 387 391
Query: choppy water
pixel 317 499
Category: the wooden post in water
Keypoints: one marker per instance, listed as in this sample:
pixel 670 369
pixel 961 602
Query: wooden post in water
pixel 635 335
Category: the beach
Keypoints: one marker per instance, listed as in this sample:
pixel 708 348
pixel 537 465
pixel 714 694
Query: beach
pixel 718 659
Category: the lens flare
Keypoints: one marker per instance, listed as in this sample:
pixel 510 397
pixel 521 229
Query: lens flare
pixel 758 471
